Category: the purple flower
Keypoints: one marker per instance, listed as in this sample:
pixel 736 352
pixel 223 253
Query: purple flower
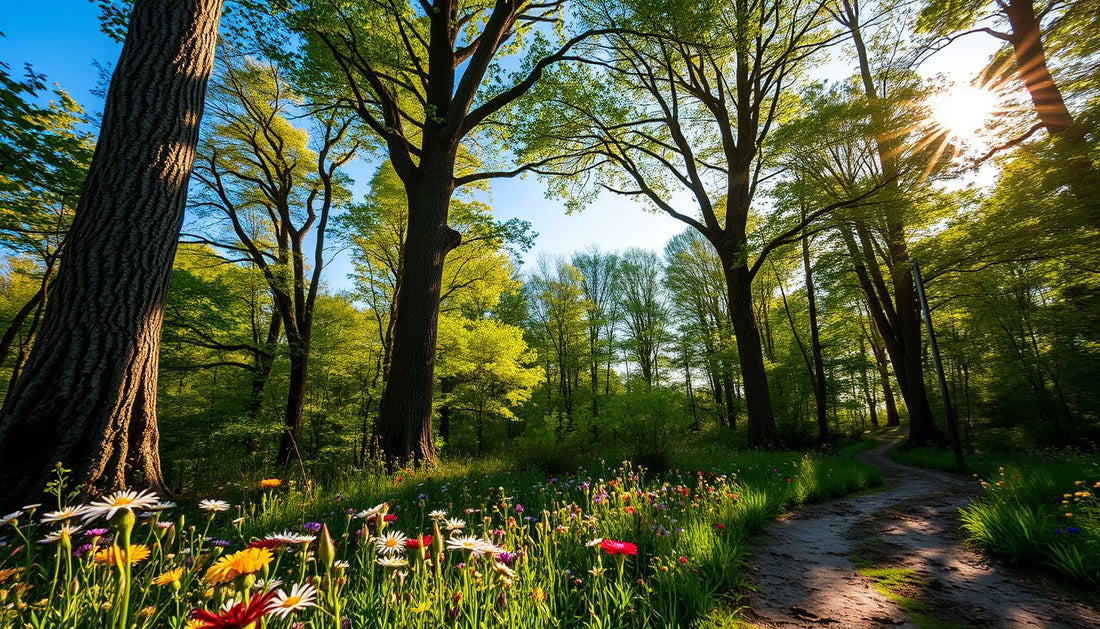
pixel 506 557
pixel 1073 530
pixel 220 543
pixel 95 532
pixel 80 550
pixel 518 508
pixel 312 527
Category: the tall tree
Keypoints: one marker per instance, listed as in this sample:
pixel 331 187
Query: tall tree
pixel 87 397
pixel 687 120
pixel 600 283
pixel 645 314
pixel 426 78
pixel 272 191
pixel 697 291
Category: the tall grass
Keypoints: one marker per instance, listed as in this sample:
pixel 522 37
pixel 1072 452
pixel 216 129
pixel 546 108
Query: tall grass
pixel 689 527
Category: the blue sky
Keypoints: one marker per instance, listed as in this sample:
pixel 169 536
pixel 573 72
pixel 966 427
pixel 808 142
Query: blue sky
pixel 61 39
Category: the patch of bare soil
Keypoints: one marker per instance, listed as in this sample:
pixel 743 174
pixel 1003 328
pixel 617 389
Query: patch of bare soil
pixel 819 566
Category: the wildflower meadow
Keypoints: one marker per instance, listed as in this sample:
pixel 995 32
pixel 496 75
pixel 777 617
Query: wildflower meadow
pixel 617 547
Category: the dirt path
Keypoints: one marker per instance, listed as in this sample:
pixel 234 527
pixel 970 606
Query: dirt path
pixel 905 540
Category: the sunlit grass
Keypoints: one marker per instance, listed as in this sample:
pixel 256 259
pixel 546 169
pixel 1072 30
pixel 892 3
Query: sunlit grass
pixel 688 526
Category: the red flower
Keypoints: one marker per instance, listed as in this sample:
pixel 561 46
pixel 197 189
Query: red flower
pixel 270 544
pixel 719 526
pixel 628 510
pixel 238 616
pixel 389 518
pixel 413 543
pixel 615 547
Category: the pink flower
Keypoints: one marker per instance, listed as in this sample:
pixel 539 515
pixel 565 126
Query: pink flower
pixel 615 547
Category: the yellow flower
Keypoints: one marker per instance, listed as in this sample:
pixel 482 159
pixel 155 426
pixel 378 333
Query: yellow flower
pixel 169 577
pixel 138 552
pixel 538 595
pixel 1078 482
pixel 270 483
pixel 1069 515
pixel 420 608
pixel 238 564
pixel 1097 485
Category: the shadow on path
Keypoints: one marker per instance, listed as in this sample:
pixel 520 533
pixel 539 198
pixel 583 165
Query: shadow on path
pixel 804 576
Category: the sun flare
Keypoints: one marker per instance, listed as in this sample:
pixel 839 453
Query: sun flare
pixel 963 109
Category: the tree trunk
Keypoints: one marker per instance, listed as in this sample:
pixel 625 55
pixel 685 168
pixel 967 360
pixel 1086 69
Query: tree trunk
pixel 87 397
pixel 892 417
pixel 1031 62
pixel 405 418
pixel 262 365
pixel 295 399
pixel 758 404
pixel 815 344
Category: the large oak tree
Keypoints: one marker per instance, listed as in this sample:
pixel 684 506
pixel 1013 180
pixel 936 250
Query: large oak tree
pixel 87 396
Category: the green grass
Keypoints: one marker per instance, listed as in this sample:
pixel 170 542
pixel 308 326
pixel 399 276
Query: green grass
pixel 690 526
pixel 1037 508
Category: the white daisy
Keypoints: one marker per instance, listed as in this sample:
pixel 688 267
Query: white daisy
pixel 595 542
pixel 470 543
pixel 392 543
pixel 455 524
pixel 438 514
pixel 66 530
pixel 300 597
pixel 68 513
pixel 11 518
pixel 392 563
pixel 286 537
pixel 213 506
pixel 373 512
pixel 122 500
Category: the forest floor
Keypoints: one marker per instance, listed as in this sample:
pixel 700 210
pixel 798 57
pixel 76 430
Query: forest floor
pixel 896 558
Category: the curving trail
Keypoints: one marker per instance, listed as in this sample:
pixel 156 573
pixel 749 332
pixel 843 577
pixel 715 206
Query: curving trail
pixel 804 574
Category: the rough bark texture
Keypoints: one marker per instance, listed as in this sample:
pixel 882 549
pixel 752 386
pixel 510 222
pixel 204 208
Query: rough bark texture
pixel 87 397
pixel 404 430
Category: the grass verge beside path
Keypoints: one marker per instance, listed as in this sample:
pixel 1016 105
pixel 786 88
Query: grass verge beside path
pixel 1036 508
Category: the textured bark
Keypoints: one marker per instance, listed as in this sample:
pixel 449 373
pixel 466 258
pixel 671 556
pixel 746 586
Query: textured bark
pixel 404 429
pixel 87 397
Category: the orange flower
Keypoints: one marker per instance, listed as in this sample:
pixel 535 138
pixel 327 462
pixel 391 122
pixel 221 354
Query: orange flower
pixel 169 577
pixel 270 483
pixel 239 564
pixel 108 556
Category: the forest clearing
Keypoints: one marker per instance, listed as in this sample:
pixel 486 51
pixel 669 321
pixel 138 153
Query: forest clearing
pixel 549 313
